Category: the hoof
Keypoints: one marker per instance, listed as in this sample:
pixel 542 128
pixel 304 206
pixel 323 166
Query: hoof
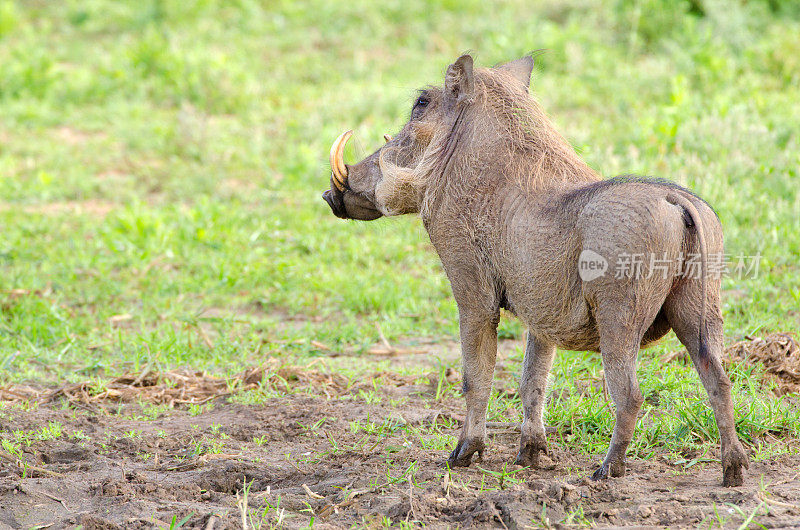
pixel 732 477
pixel 462 454
pixel 605 471
pixel 526 459
pixel 733 465
pixel 601 473
pixel 528 455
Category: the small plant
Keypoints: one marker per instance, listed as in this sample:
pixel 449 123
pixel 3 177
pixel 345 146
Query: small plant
pixel 13 448
pixel 504 477
pixel 51 431
pixel 196 410
pixel 175 524
pixel 576 517
pixel 542 521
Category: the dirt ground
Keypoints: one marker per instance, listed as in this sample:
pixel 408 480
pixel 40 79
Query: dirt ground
pixel 127 470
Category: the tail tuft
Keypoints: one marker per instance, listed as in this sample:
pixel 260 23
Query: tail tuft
pixel 702 347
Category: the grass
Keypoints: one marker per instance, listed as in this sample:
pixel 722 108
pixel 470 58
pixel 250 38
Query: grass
pixel 161 165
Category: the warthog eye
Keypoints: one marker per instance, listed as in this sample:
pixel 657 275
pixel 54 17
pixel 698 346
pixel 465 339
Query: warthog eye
pixel 419 106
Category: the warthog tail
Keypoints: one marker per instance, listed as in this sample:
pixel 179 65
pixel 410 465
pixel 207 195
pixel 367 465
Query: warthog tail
pixel 694 220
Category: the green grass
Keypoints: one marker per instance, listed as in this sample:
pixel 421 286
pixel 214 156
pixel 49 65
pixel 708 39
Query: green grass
pixel 161 165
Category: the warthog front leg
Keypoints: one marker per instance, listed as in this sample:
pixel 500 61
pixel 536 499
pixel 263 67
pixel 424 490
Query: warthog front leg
pixel 619 366
pixel 535 369
pixel 478 354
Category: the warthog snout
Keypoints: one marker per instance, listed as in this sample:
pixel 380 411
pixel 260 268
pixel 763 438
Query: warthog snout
pixel 335 200
pixel 351 195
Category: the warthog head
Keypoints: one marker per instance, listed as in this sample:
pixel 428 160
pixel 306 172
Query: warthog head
pixel 476 117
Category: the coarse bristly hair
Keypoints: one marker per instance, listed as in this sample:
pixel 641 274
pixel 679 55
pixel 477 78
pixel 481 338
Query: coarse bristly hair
pixel 535 153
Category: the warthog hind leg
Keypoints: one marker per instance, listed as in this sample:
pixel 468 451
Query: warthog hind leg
pixel 619 350
pixel 682 310
pixel 535 369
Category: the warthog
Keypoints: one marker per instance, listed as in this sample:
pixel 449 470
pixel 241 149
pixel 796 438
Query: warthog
pixel 510 209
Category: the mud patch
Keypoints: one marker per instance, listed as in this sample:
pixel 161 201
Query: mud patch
pixel 342 462
pixel 285 445
pixel 186 387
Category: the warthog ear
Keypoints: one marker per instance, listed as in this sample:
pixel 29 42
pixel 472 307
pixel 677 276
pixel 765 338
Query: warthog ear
pixel 521 69
pixel 458 81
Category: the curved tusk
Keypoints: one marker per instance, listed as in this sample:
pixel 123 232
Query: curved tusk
pixel 387 137
pixel 338 167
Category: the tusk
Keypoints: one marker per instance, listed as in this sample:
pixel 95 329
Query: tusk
pixel 387 137
pixel 338 167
